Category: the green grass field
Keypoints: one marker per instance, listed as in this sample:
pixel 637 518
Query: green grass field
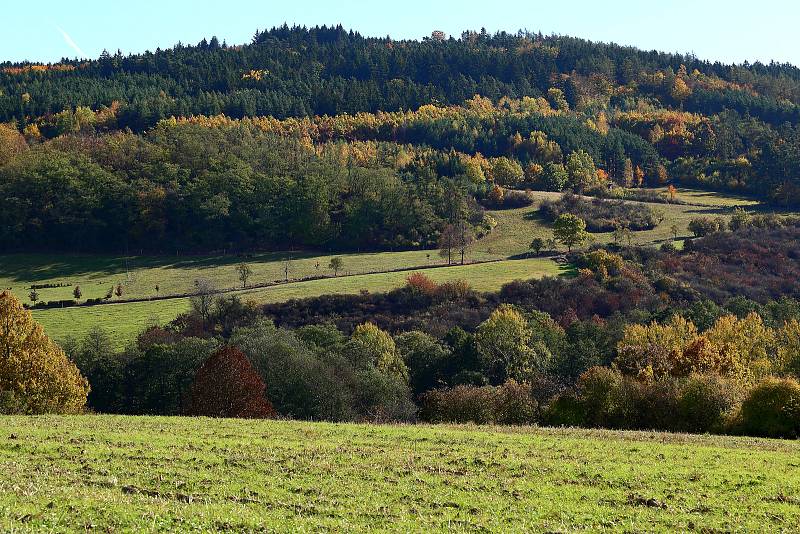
pixel 176 275
pixel 144 474
pixel 123 321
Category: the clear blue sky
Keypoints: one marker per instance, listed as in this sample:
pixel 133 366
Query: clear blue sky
pixel 729 31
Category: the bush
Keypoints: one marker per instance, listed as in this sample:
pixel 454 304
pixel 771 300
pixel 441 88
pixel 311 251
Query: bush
pixel 611 400
pixel 10 404
pixel 703 226
pixel 509 404
pixel 772 409
pixel 515 405
pixel 421 283
pixel 565 410
pixel 704 403
pixel 461 404
pixel 227 385
pixel 599 392
pixel 499 199
pixel 651 405
pixel 382 398
pixel 602 215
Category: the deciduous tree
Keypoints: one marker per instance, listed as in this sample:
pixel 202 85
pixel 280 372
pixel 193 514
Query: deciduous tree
pixel 33 369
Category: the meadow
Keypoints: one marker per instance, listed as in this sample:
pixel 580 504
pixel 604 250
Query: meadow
pixel 179 474
pixel 176 275
pixel 124 320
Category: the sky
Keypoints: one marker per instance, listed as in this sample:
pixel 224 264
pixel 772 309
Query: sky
pixel 730 31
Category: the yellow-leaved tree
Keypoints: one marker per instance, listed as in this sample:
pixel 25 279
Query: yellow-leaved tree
pixel 379 347
pixel 35 374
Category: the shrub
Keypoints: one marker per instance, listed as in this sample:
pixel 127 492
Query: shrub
pixel 421 283
pixel 455 290
pixel 461 404
pixel 705 401
pixel 565 410
pixel 499 198
pixel 509 404
pixel 10 404
pixel 772 409
pixel 33 368
pixel 382 398
pixel 602 215
pixel 514 404
pixel 703 226
pixel 227 385
pixel 651 405
pixel 599 394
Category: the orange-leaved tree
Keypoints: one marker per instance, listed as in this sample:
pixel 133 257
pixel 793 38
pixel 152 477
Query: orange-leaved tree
pixel 35 374
pixel 227 385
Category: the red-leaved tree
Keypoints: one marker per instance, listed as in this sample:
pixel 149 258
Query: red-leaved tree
pixel 227 385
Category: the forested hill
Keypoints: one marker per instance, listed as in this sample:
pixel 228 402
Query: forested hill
pixel 219 147
pixel 297 71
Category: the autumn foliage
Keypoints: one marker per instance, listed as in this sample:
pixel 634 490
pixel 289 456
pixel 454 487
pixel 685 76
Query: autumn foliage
pixel 35 375
pixel 422 283
pixel 227 385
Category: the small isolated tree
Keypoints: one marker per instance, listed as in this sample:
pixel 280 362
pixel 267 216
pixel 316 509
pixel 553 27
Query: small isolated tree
pixel 674 229
pixel 739 219
pixel 77 293
pixel 570 230
pixel 244 271
pixel 448 240
pixel 703 226
pixel 537 245
pixel 621 234
pixel 336 264
pixel 34 371
pixel 118 290
pixel 203 299
pixel 227 385
pixel 464 238
pixel 34 296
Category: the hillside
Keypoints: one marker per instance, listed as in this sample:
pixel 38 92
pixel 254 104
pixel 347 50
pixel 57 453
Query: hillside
pixel 492 229
pixel 374 272
pixel 320 139
pixel 146 473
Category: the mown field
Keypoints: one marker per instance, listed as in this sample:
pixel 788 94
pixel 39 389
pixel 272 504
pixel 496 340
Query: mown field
pixel 139 474
pixel 139 275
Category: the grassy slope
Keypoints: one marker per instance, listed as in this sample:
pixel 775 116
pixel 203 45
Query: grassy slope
pixel 146 474
pixel 96 273
pixel 124 321
pixel 139 275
